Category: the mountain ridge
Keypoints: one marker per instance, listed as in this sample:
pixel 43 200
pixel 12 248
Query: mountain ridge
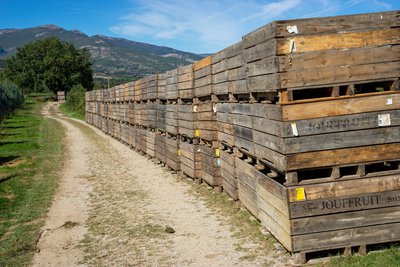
pixel 111 56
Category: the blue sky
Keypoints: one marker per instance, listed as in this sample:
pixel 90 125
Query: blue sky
pixel 205 26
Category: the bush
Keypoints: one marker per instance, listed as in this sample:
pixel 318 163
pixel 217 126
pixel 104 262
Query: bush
pixel 76 100
pixel 10 98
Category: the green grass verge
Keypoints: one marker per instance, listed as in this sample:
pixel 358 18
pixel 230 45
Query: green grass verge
pixel 31 155
pixel 386 258
pixel 71 113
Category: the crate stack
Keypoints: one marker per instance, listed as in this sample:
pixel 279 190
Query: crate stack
pixel 299 121
pixel 161 119
pixel 205 120
pixel 171 120
pixel 327 102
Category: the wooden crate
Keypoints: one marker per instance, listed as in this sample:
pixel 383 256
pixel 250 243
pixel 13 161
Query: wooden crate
pixel 186 124
pixel 202 77
pixel 219 73
pixel 205 118
pixel 308 55
pixel 190 160
pixel 314 134
pixel 143 114
pixel 161 86
pixel 144 87
pixel 172 152
pixel 131 136
pixel 152 87
pixel 161 111
pixel 236 69
pixel 131 113
pixel 171 89
pixel 160 147
pixel 138 91
pixel 242 126
pixel 171 119
pixel 151 143
pixel 228 172
pixel 225 123
pixel 138 138
pixel 152 106
pixel 210 165
pixel 185 82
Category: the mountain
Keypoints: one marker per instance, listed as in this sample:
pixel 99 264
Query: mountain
pixel 111 56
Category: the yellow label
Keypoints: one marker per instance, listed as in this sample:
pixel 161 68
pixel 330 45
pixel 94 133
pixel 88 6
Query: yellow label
pixel 217 152
pixel 300 193
pixel 179 152
pixel 197 134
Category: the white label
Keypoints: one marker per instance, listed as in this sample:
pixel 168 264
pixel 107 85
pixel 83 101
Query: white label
pixel 195 108
pixel 294 129
pixel 292 29
pixel 215 108
pixel 218 162
pixel 384 120
pixel 292 46
pixel 389 101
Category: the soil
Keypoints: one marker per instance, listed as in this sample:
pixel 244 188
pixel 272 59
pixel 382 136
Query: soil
pixel 115 207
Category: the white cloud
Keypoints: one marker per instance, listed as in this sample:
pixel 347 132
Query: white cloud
pixel 214 25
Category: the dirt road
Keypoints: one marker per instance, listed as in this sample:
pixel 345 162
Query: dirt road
pixel 114 207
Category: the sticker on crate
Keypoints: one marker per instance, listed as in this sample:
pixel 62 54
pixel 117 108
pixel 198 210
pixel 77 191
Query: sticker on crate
pixel 294 129
pixel 384 120
pixel 300 194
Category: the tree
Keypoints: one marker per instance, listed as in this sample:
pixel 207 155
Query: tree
pixel 50 65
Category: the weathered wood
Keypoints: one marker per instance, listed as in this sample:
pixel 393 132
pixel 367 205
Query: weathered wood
pixel 347 187
pixel 345 106
pixel 339 41
pixel 342 204
pixel 347 237
pixel 337 157
pixel 202 63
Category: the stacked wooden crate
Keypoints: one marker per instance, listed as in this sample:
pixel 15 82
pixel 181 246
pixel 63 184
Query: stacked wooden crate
pixel 205 121
pixel 329 132
pixel 299 121
pixel 161 119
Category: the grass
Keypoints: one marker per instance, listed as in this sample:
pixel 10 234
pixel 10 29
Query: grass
pixel 71 113
pixel 386 258
pixel 31 154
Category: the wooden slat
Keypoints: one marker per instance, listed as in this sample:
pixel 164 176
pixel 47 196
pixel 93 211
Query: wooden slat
pixel 341 156
pixel 357 202
pixel 340 41
pixel 343 106
pixel 349 237
pixel 347 187
pixel 202 63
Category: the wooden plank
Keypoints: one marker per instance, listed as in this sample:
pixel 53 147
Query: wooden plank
pixel 348 237
pixel 330 141
pixel 334 58
pixel 236 74
pixel 274 212
pixel 339 41
pixel 248 198
pixel 346 105
pixel 276 230
pixel 338 24
pixel 268 65
pixel 218 67
pixel 347 187
pixel 260 35
pixel 202 63
pixel 328 124
pixel 323 206
pixel 343 156
pixel 262 50
pixel 335 75
pixel 263 83
pixel 272 204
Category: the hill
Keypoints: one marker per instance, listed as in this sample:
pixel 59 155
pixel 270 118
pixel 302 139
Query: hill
pixel 111 56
